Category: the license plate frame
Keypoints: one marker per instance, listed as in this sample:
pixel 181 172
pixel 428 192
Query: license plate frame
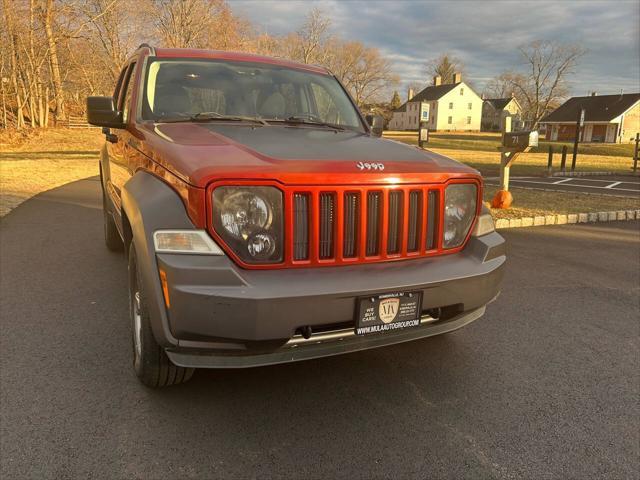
pixel 388 312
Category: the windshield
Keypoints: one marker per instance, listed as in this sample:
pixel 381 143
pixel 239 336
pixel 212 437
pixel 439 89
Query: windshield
pixel 185 88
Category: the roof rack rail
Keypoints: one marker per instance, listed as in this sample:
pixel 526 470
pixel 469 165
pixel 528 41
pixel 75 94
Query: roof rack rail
pixel 143 45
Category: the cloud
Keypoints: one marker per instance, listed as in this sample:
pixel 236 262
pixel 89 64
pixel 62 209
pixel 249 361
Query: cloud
pixel 483 34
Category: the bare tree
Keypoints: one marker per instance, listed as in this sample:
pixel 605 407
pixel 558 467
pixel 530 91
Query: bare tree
pixel 444 66
pixel 312 37
pixel 543 82
pixel 185 23
pixel 114 28
pixel 58 92
pixel 501 86
pixel 363 70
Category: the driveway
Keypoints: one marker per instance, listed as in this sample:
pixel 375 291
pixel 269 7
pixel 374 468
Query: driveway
pixel 546 385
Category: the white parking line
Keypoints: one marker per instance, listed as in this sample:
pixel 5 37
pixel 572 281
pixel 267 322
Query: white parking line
pixel 613 185
pixel 561 181
pixel 513 180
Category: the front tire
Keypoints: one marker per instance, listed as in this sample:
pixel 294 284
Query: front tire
pixel 150 362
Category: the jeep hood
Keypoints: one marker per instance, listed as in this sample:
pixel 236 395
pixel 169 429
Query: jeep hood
pixel 200 153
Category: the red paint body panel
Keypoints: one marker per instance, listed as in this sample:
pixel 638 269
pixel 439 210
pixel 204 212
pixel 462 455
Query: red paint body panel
pixel 199 156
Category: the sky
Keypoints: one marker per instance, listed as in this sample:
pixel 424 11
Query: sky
pixel 483 34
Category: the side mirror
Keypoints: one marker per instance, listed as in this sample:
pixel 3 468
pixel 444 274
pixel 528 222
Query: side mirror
pixel 376 122
pixel 102 112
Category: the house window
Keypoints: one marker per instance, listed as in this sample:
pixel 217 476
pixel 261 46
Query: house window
pixel 469 120
pixel 450 105
pixel 462 91
pixel 470 106
pixel 450 120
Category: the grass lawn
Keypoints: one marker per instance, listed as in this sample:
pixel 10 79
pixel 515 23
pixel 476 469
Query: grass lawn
pixel 479 150
pixel 530 203
pixel 57 156
pixel 490 141
pixel 44 161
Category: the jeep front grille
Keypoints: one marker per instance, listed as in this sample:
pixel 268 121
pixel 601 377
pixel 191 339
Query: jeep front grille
pixel 359 225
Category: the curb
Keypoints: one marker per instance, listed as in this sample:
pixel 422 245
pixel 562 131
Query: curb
pixel 564 219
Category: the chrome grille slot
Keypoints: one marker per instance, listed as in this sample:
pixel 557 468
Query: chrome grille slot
pixel 415 220
pixel 394 229
pixel 300 226
pixel 351 224
pixel 327 221
pixel 433 219
pixel 374 211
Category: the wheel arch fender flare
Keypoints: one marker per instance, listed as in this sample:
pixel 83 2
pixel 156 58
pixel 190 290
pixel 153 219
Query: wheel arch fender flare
pixel 149 204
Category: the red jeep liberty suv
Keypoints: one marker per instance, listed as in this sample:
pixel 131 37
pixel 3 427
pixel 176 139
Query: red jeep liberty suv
pixel 265 220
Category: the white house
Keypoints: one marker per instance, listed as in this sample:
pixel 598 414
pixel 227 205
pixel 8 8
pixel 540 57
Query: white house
pixel 453 106
pixel 494 110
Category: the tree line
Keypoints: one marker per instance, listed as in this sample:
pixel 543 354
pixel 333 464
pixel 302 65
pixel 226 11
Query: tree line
pixel 57 52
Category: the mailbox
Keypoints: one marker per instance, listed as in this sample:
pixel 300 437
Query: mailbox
pixel 519 141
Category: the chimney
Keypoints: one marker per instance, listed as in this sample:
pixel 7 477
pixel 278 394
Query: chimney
pixel 594 94
pixel 457 77
pixel 410 94
pixel 437 80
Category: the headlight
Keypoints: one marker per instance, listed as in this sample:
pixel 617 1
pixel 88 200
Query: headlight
pixel 459 211
pixel 249 219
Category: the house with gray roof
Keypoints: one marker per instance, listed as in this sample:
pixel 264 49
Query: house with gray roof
pixel 607 118
pixel 494 110
pixel 449 107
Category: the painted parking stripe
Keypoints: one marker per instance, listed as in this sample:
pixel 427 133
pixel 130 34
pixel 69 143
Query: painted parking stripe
pixel 578 186
pixel 561 181
pixel 614 184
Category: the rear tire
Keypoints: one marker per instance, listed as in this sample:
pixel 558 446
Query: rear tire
pixel 112 238
pixel 150 362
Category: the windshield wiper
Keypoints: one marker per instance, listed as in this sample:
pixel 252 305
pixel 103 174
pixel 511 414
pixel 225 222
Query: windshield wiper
pixel 215 116
pixel 211 117
pixel 308 120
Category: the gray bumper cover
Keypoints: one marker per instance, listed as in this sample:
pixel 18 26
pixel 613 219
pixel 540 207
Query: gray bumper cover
pixel 222 316
pixel 317 349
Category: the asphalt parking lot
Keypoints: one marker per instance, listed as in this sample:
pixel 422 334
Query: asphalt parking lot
pixel 546 385
pixel 622 186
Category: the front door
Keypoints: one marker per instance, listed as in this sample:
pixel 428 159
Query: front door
pixel 119 171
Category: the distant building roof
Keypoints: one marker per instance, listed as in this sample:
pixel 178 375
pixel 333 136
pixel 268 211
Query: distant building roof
pixel 498 103
pixel 598 108
pixel 429 93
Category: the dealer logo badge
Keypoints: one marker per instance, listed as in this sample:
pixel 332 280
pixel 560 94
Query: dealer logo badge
pixel 388 309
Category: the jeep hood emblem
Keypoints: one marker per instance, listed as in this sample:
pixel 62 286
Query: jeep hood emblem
pixel 370 166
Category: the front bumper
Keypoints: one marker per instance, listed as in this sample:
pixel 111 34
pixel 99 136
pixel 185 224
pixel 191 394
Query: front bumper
pixel 223 316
